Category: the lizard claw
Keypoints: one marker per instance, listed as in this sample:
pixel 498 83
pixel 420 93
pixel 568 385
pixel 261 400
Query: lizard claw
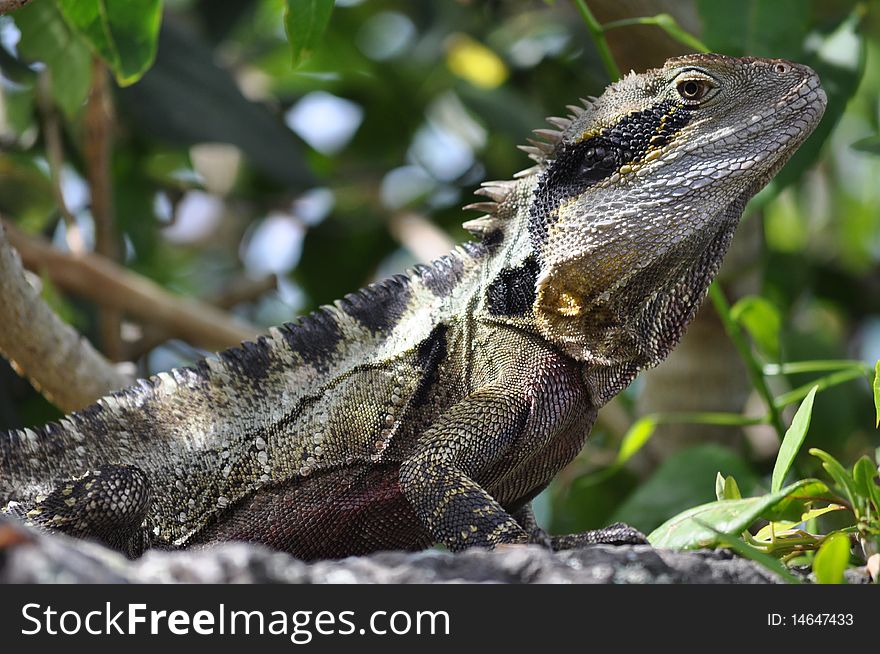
pixel 541 537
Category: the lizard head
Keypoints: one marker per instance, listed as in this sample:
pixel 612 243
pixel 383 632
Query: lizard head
pixel 638 196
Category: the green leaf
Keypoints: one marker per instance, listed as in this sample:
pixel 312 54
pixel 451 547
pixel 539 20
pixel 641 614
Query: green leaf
pixel 865 477
pixel 876 388
pixel 838 473
pixel 731 489
pixel 635 438
pixel 761 319
pixel 794 506
pixel 683 479
pixel 726 488
pixel 753 553
pixel 696 527
pixel 123 33
pixel 794 438
pixel 832 559
pixel 305 22
pixel 46 37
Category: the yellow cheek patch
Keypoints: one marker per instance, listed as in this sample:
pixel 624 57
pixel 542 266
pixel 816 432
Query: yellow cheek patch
pixel 568 305
pixel 588 134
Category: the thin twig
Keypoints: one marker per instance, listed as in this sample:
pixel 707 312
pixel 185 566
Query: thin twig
pixel 97 152
pixel 753 369
pixel 237 292
pixel 54 144
pixel 420 236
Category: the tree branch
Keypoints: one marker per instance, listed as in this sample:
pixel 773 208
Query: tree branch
pixel 56 359
pixel 109 284
pixel 236 292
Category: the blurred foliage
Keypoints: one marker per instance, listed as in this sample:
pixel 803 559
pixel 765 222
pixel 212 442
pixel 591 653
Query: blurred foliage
pixel 230 161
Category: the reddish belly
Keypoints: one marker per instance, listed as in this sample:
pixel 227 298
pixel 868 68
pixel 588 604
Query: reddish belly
pixel 332 514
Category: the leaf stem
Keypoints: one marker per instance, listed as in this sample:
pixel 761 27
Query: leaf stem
pixel 797 394
pixel 665 22
pixel 598 34
pixel 707 418
pixel 753 368
pixel 797 367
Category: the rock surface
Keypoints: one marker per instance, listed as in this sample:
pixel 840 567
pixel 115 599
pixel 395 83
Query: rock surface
pixel 27 556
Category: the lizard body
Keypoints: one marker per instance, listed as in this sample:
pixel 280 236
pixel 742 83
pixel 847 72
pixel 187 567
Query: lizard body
pixel 433 406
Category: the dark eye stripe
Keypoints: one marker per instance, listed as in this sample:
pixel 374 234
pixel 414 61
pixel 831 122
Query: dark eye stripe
pixel 585 163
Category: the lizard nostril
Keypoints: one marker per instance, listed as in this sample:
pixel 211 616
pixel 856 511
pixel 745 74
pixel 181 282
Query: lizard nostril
pixel 781 68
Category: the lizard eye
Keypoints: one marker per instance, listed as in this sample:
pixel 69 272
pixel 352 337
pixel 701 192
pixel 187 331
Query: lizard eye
pixel 693 90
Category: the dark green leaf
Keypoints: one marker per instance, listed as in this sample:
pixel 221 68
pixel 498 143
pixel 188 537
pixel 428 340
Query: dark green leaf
pixel 793 507
pixel 794 438
pixel 591 505
pixel 186 99
pixel 305 22
pixel 46 37
pixel 696 527
pixel 840 80
pixel 832 559
pixel 761 28
pixel 122 32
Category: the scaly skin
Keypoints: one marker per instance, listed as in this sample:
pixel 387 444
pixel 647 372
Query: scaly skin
pixel 434 406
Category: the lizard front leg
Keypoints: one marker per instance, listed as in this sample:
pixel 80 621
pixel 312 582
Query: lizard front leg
pixel 438 479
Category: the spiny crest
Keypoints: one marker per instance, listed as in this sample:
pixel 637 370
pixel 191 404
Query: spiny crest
pixel 631 79
pixel 497 192
pixel 540 151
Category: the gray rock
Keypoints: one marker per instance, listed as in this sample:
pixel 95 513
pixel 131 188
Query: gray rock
pixel 27 556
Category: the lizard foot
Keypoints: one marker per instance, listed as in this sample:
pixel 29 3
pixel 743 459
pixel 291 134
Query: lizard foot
pixel 616 534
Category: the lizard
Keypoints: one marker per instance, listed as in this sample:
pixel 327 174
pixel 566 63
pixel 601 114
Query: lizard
pixel 433 406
